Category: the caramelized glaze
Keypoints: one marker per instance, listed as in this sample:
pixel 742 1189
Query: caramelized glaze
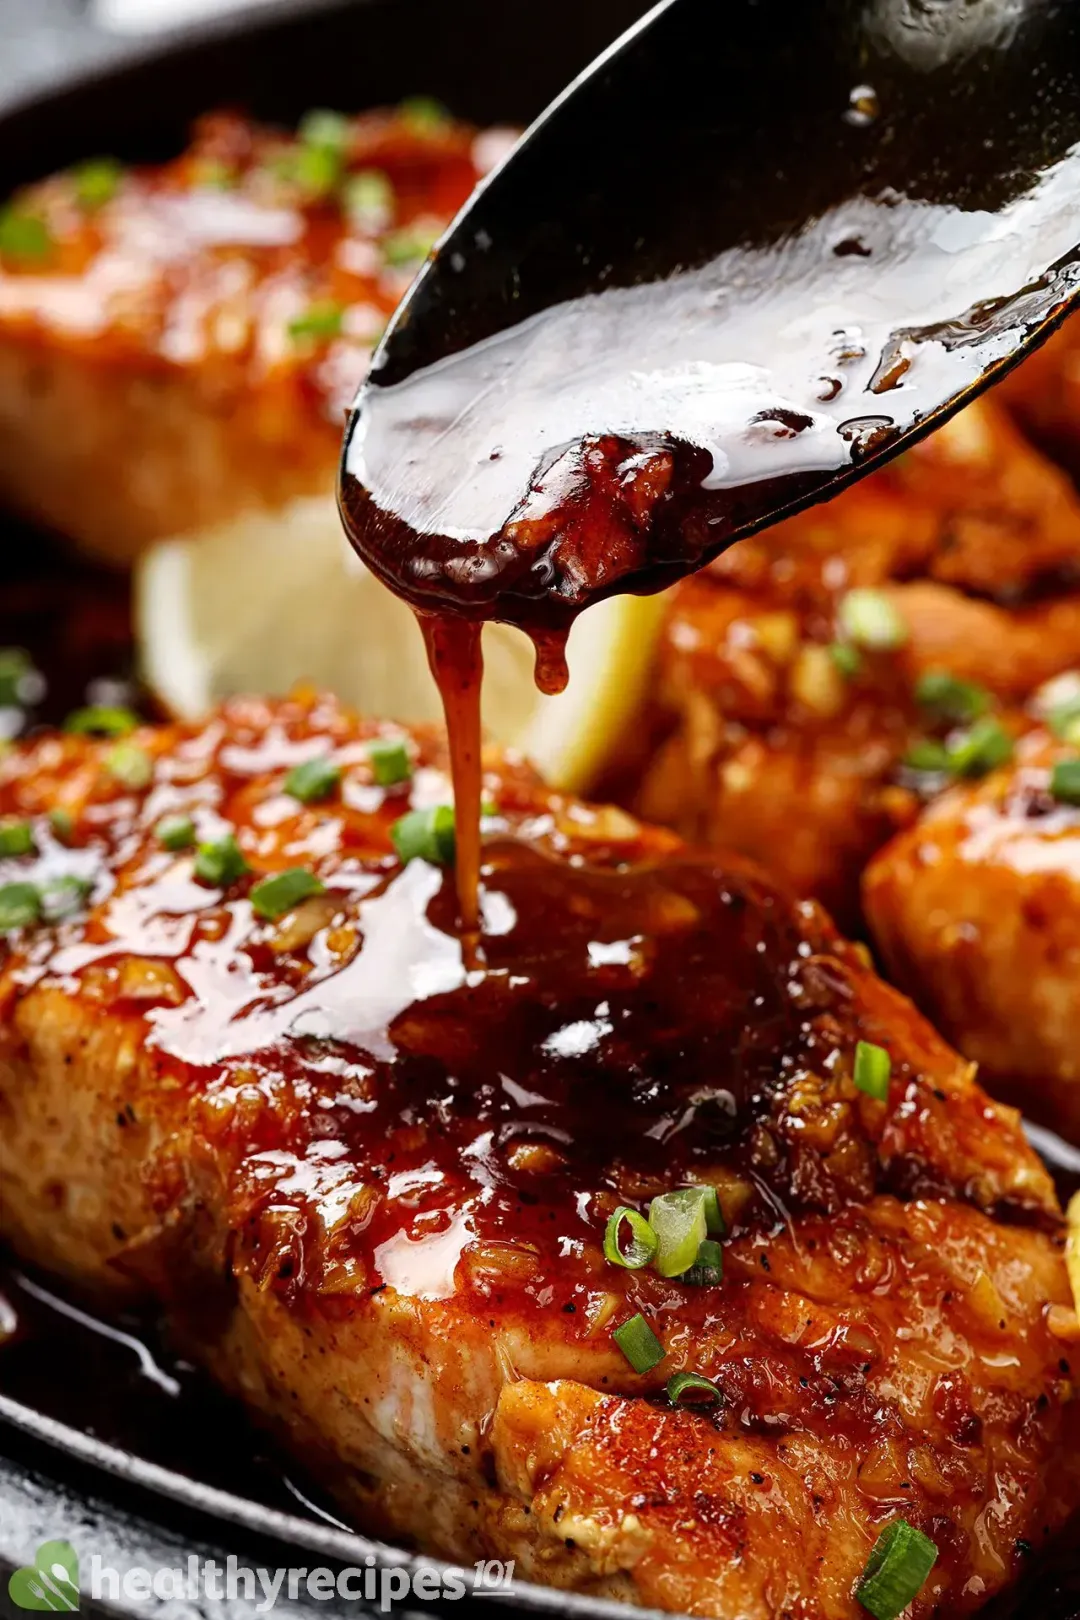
pixel 203 262
pixel 348 1148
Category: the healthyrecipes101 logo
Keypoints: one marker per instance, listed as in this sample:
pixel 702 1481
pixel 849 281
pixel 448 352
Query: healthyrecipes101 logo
pixel 50 1582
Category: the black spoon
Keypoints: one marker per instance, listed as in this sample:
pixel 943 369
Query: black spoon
pixel 758 247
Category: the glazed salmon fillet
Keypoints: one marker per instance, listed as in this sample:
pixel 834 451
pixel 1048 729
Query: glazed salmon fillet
pixel 788 712
pixel 986 881
pixel 368 1169
pixel 178 344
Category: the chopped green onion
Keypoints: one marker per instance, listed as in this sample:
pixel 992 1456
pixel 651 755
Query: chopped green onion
pixel 315 779
pixel 63 897
pixel 175 832
pixel 318 321
pixel 1065 781
pixel 409 245
pixel 423 114
pixel 16 838
pixel 273 896
pixel 390 762
pixel 130 765
pixel 20 906
pixel 368 198
pixel 97 181
pixel 62 823
pixel 220 863
pixel 642 1246
pixel 927 755
pixel 639 1344
pixel 680 1222
pixel 945 695
pixel 708 1269
pixel 426 835
pixel 847 658
pixel 871 620
pixel 690 1389
pixel 1064 719
pixel 896 1571
pixel 315 169
pixel 23 236
pixel 323 128
pixel 872 1069
pixel 20 682
pixel 101 720
pixel 983 746
pixel 715 1224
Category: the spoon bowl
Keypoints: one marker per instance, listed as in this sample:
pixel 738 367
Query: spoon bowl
pixel 750 253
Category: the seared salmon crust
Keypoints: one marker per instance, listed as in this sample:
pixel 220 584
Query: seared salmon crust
pixel 367 1171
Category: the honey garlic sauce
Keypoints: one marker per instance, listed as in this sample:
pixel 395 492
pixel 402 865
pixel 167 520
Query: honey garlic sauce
pixel 618 440
pixel 382 1112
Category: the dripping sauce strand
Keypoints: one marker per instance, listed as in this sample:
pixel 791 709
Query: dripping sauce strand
pixel 456 657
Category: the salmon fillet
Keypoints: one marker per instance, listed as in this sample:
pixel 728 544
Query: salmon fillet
pixel 367 1170
pixel 777 736
pixel 987 880
pixel 178 344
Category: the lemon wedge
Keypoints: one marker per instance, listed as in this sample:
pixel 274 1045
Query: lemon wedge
pixel 273 599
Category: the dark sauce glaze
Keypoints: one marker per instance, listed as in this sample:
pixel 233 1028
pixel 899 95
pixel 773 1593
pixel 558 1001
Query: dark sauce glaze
pixel 355 1112
pixel 620 440
pixel 677 997
pixel 746 253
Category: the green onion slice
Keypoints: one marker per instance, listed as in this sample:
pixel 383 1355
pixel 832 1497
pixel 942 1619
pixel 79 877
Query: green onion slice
pixel 20 682
pixel 16 838
pixel 24 236
pixel 873 1066
pixel 642 1245
pixel 981 748
pixel 423 114
pixel 390 762
pixel 945 695
pixel 20 906
pixel 320 127
pixel 1064 719
pixel 896 1571
pixel 368 198
pixel 273 896
pixel 220 863
pixel 175 832
pixel 680 1221
pixel 62 823
pixel 847 658
pixel 708 1269
pixel 318 321
pixel 871 620
pixel 408 246
pixel 63 897
pixel 130 765
pixel 315 779
pixel 426 835
pixel 639 1344
pixel 691 1389
pixel 102 720
pixel 1065 781
pixel 96 182
pixel 927 755
pixel 316 169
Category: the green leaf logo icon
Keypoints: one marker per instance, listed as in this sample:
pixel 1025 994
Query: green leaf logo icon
pixel 51 1582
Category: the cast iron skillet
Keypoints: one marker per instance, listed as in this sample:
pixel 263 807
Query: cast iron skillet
pixel 83 1421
